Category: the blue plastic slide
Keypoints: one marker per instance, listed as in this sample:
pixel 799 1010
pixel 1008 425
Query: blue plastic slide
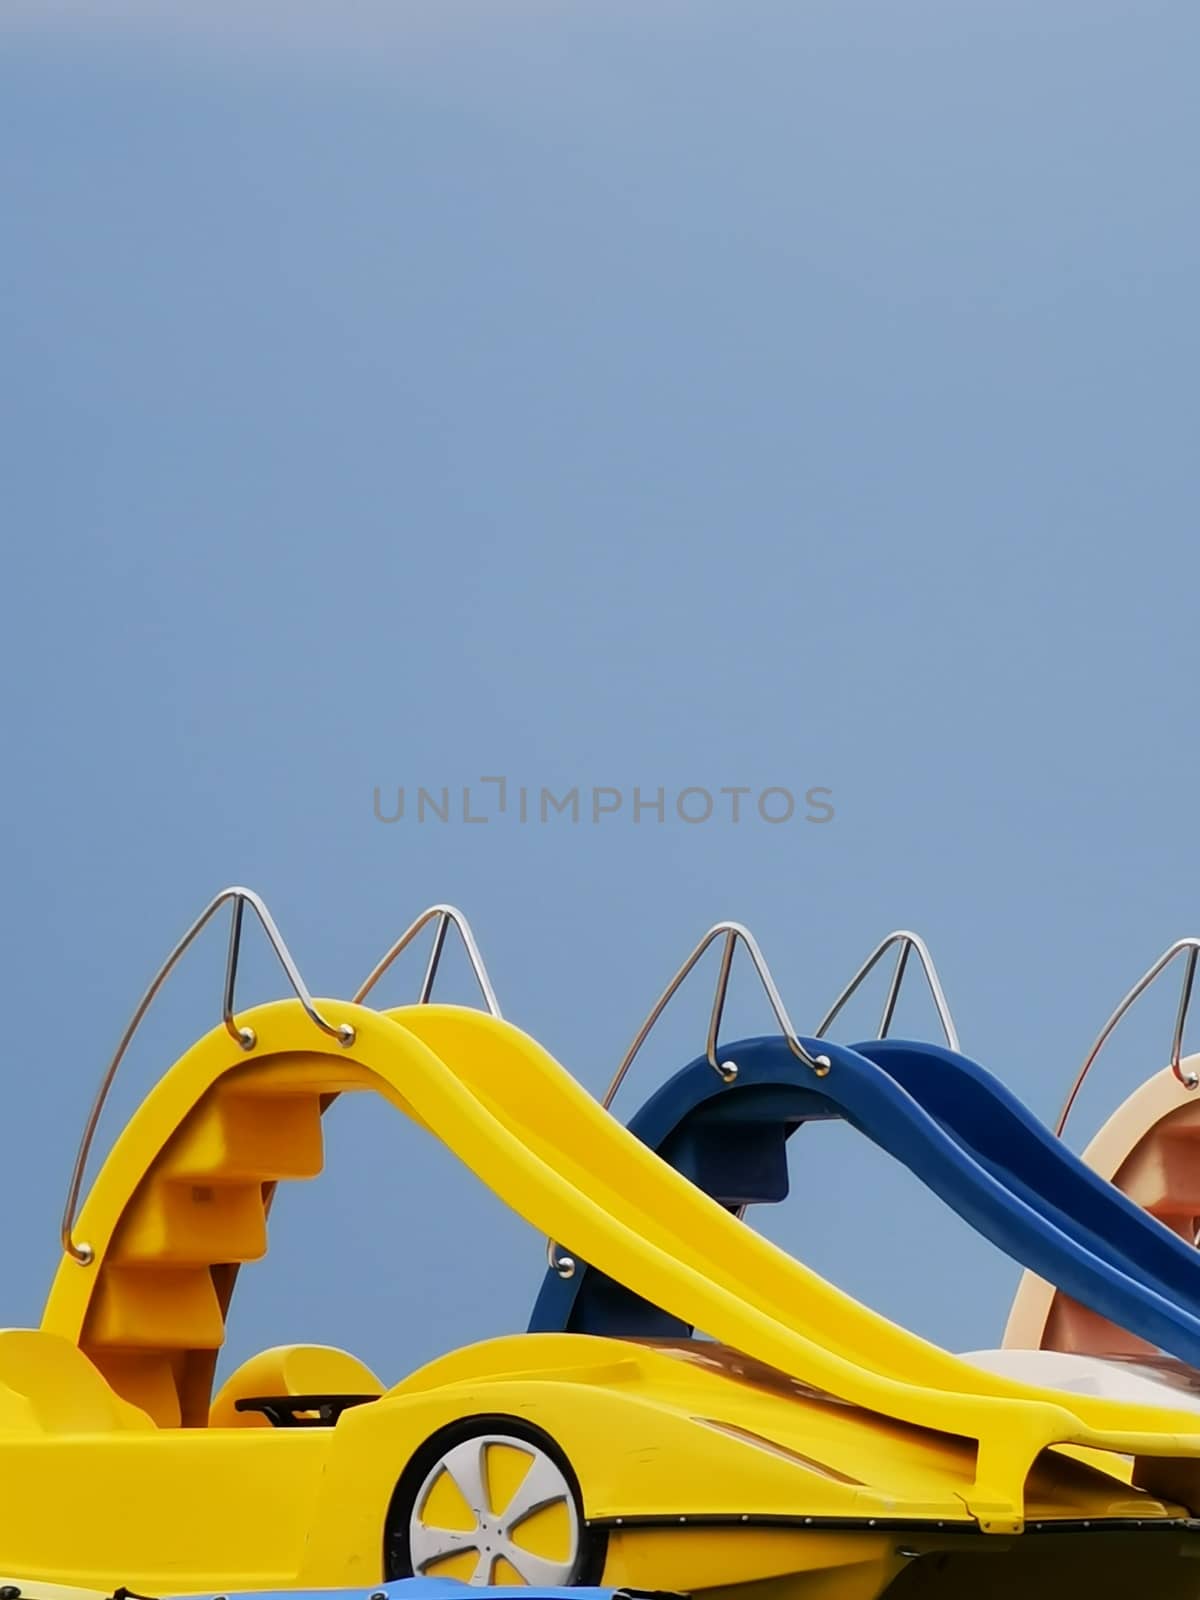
pixel 955 1126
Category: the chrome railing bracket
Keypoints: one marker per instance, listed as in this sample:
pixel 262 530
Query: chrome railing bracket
pixel 446 916
pixel 1189 1080
pixel 907 942
pixel 82 1252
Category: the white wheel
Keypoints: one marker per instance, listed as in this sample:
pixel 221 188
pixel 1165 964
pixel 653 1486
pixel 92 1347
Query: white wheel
pixel 496 1509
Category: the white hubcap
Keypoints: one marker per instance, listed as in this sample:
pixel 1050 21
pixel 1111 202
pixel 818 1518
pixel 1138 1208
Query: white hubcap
pixel 496 1534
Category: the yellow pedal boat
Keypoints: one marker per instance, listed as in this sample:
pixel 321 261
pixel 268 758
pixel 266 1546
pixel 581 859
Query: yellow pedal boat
pixel 806 1448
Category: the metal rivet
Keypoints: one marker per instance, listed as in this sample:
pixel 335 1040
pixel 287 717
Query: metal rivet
pixel 822 1064
pixel 247 1038
pixel 729 1071
pixel 83 1255
pixel 346 1035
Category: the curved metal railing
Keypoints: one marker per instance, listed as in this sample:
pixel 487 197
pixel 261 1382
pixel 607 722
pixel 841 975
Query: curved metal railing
pixel 240 897
pixel 735 931
pixel 1188 1079
pixel 732 932
pixel 908 942
pixel 447 916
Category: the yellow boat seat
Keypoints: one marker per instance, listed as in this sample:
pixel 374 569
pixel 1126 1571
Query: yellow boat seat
pixel 291 1369
pixel 48 1385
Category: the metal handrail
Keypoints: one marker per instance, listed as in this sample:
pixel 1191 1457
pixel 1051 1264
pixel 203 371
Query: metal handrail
pixel 1189 1079
pixel 908 942
pixel 732 931
pixel 446 916
pixel 83 1253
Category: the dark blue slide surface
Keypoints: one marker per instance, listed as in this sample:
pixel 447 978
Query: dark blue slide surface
pixel 954 1125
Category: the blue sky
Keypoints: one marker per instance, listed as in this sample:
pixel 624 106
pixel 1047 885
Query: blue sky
pixel 684 395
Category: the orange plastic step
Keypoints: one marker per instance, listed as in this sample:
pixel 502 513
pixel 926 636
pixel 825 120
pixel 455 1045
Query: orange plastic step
pixel 193 1224
pixel 155 1308
pixel 1163 1175
pixel 242 1137
pixel 1080 1331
